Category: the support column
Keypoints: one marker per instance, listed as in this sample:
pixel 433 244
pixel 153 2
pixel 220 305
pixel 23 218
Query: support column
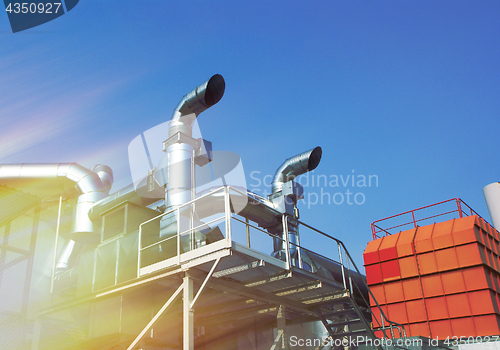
pixel 188 314
pixel 37 333
pixel 281 320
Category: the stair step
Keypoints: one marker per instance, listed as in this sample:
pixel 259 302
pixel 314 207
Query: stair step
pixel 349 333
pixel 338 313
pixel 343 323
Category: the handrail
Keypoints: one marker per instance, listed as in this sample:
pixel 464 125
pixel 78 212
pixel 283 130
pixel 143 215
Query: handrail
pixel 458 202
pixel 384 318
pixel 349 283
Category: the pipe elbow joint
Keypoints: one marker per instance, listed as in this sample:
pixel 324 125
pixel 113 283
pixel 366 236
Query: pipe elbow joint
pixel 295 166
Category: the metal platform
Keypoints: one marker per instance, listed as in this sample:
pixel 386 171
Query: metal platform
pixel 226 281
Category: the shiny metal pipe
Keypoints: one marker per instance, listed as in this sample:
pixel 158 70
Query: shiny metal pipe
pixel 180 155
pixel 289 170
pixel 69 180
pixel 295 166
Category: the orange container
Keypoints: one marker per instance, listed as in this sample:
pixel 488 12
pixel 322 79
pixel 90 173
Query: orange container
pixel 397 313
pixel 387 249
pixel 373 274
pixel 408 266
pixel 376 317
pixel 378 293
pixel 440 280
pixel 420 329
pixel 370 255
pixel 412 289
pixel 432 285
pixel 405 245
pixel 458 305
pixel 441 329
pixel 483 302
pixel 416 311
pixel 442 235
pixel 463 327
pixel 427 263
pixel 390 270
pixel 436 308
pixel 453 282
pixel 478 277
pixel 487 325
pixel 423 239
pixel 465 230
pixel 470 254
pixel 446 259
pixel 394 292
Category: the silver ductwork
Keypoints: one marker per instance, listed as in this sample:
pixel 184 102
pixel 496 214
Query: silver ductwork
pixel 180 151
pixel 285 194
pixel 140 194
pixel 492 197
pixel 295 166
pixel 181 148
pixel 67 180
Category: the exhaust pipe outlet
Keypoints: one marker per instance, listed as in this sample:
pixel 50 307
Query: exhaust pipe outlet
pixel 289 170
pixel 295 166
pixel 180 153
pixel 196 101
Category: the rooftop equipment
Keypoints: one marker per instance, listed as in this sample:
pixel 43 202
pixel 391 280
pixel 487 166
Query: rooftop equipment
pixel 437 279
pixel 124 256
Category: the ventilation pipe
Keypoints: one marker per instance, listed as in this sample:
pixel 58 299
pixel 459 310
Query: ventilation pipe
pixel 180 147
pixel 295 166
pixel 64 179
pixel 286 193
pixel 492 196
pixel 180 153
pixel 68 180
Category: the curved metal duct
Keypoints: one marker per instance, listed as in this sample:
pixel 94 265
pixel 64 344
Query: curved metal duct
pixel 180 151
pixel 105 174
pixel 196 101
pixel 180 154
pixel 289 170
pixel 295 166
pixel 63 179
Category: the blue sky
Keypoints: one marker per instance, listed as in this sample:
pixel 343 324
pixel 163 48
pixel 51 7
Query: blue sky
pixel 404 90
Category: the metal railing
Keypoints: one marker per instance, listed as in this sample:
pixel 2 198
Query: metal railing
pixel 410 219
pixel 356 287
pixel 223 216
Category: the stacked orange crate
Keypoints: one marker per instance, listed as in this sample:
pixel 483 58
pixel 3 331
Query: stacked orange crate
pixel 440 280
pixel 384 279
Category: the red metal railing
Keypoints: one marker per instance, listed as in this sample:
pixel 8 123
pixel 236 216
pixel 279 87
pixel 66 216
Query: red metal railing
pixel 458 210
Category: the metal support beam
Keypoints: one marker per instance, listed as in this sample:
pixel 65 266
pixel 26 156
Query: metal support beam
pixel 241 268
pixel 187 314
pixel 156 317
pixel 210 273
pixel 281 324
pixel 37 333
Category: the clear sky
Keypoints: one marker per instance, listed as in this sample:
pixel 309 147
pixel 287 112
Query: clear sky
pixel 407 91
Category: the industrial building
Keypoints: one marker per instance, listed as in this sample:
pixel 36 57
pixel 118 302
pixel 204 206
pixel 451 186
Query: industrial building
pixel 166 263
